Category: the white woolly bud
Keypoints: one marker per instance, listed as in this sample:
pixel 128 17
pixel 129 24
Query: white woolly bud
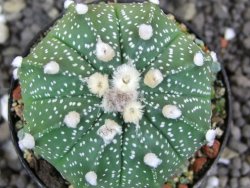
pixel 210 137
pixel 81 8
pixel 153 78
pixel 152 160
pixel 17 62
pixel 198 59
pixel 98 84
pixel 72 119
pixel 171 112
pixel 214 56
pixel 133 112
pixel 15 73
pixel 145 31
pixel 104 51
pixel 157 2
pixel 67 3
pixel 229 34
pixel 126 78
pixel 51 68
pixel 28 142
pixel 109 130
pixel 91 178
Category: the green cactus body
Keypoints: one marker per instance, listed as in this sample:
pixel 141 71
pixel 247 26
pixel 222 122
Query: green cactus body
pixel 118 157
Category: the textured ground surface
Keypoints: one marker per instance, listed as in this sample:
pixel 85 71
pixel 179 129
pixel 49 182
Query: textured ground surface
pixel 209 17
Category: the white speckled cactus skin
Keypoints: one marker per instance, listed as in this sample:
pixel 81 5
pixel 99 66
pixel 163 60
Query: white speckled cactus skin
pixel 78 150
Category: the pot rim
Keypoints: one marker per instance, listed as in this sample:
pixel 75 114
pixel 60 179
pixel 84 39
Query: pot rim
pixel 41 34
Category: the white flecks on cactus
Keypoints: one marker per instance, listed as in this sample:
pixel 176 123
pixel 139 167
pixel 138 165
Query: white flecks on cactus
pixel 171 112
pixel 109 130
pixel 28 142
pixel 67 3
pixel 133 112
pixel 98 84
pixel 126 78
pixel 198 59
pixel 214 56
pixel 157 2
pixel 145 31
pixel 51 68
pixel 81 8
pixel 15 73
pixel 72 119
pixel 229 34
pixel 91 178
pixel 153 78
pixel 152 160
pixel 17 62
pixel 210 137
pixel 104 51
pixel 115 100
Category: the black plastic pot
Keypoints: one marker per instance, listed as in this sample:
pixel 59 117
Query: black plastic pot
pixel 12 118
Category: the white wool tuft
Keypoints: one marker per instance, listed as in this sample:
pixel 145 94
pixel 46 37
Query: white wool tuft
pixel 109 130
pixel 15 73
pixel 171 112
pixel 91 178
pixel 126 78
pixel 104 51
pixel 157 2
pixel 145 31
pixel 153 78
pixel 152 160
pixel 17 62
pixel 98 84
pixel 28 142
pixel 229 34
pixel 210 137
pixel 214 56
pixel 51 68
pixel 72 119
pixel 198 59
pixel 67 3
pixel 133 112
pixel 81 8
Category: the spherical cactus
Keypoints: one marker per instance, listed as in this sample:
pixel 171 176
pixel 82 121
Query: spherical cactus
pixel 116 95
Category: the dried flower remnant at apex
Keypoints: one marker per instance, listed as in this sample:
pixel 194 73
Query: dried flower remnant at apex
pixel 125 119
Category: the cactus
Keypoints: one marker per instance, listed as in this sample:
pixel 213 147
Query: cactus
pixel 116 95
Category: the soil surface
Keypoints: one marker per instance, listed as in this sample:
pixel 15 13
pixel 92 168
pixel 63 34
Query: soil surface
pixel 24 18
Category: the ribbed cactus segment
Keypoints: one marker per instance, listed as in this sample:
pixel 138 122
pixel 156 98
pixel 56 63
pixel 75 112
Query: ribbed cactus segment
pixel 78 119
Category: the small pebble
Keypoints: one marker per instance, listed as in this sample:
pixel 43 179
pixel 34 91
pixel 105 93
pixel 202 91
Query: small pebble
pixel 229 34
